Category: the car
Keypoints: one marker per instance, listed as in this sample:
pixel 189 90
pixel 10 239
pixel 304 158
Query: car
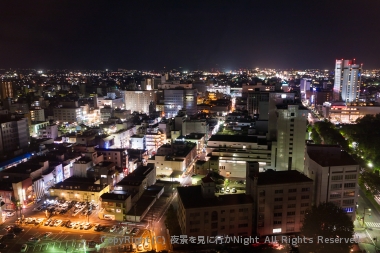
pixel 3 246
pixel 9 236
pixel 100 228
pixel 96 226
pixel 87 226
pixel 57 223
pixel 76 225
pixel 91 244
pixel 233 190
pixel 47 222
pixel 39 220
pixel 8 228
pixel 10 214
pixel 113 228
pixel 34 239
pixel 16 230
pixel 135 231
pixel 51 224
pixel 128 231
pixel 47 234
pixel 24 248
pixel 140 247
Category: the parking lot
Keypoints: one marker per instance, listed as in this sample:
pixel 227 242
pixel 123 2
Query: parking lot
pixel 56 235
pixel 55 207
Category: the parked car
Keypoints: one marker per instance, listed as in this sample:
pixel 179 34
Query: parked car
pixel 87 226
pixel 113 228
pixel 7 228
pixel 34 239
pixel 24 248
pixel 16 230
pixel 128 231
pixel 47 222
pixel 51 224
pixel 9 236
pixel 10 214
pixel 39 220
pixel 135 231
pixel 57 223
pixel 47 234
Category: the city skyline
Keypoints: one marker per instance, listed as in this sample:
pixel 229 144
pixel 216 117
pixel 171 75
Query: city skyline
pixel 188 34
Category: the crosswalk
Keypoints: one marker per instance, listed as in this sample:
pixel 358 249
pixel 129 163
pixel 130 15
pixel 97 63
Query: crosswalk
pixel 373 224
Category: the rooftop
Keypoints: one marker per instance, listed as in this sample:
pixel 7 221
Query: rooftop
pixel 329 159
pixel 23 168
pixel 238 138
pixel 115 196
pixel 285 106
pixel 138 175
pixel 281 177
pixel 191 197
pixel 79 186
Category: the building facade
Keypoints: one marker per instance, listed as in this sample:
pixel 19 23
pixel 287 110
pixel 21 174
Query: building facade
pixel 138 101
pixel 289 149
pixel 335 174
pixel 347 80
pixel 200 212
pixel 14 135
pixel 281 199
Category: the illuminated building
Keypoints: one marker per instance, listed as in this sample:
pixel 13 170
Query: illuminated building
pixel 335 174
pixel 201 212
pixel 347 80
pixel 281 199
pixel 289 148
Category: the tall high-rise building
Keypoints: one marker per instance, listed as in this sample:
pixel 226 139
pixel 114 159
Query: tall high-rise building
pixel 6 90
pixel 347 80
pixel 14 135
pixel 289 148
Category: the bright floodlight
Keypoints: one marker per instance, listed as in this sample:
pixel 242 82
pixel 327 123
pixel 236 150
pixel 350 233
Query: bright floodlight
pixel 370 165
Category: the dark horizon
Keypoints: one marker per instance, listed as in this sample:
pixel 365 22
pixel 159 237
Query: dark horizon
pixel 193 35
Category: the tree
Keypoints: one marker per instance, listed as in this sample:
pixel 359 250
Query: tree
pixel 315 136
pixel 327 222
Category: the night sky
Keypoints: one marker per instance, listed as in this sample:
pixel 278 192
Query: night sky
pixel 188 34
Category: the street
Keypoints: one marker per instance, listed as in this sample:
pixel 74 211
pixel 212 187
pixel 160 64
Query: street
pixel 368 234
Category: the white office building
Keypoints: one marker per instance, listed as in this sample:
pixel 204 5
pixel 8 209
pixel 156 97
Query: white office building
pixel 139 100
pixel 289 149
pixel 335 174
pixel 347 80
